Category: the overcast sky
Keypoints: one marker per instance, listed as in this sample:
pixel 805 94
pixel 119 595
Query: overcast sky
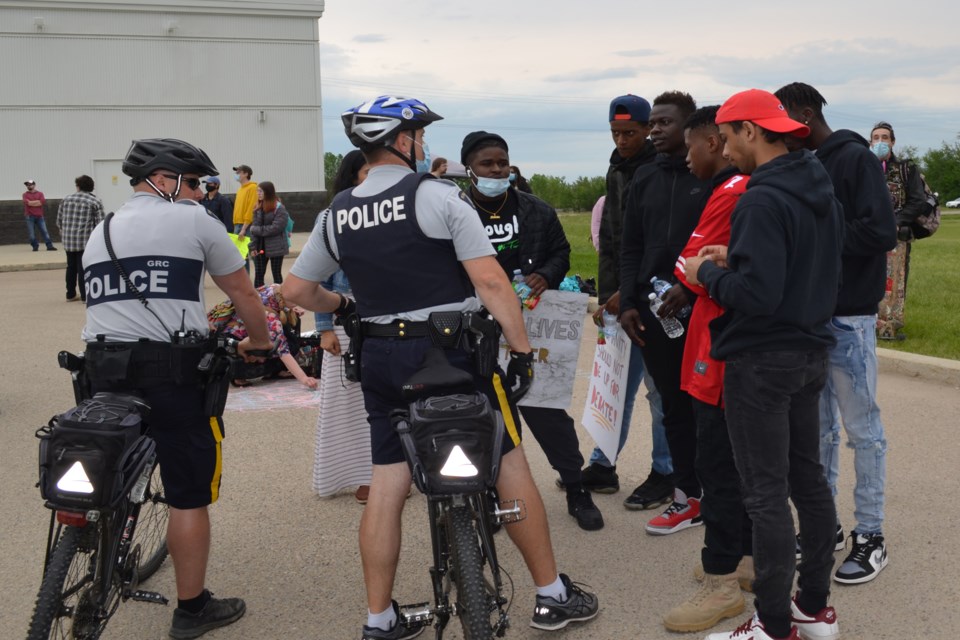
pixel 542 74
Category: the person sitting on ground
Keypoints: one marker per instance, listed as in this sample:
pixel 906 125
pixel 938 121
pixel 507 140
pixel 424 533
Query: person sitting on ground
pixel 223 318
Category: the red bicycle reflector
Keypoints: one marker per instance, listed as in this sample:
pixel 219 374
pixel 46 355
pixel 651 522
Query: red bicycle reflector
pixel 71 518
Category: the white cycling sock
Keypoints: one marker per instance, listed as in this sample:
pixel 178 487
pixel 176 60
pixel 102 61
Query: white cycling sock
pixel 385 620
pixel 556 590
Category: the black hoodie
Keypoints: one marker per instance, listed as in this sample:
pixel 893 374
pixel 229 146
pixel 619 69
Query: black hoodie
pixel 611 221
pixel 664 204
pixel 869 222
pixel 781 287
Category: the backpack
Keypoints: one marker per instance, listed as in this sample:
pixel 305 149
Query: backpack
pixel 927 224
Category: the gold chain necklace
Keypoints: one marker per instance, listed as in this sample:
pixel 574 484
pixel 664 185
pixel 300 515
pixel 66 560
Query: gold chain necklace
pixel 494 215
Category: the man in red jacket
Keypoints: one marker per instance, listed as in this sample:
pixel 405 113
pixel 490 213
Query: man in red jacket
pixel 727 529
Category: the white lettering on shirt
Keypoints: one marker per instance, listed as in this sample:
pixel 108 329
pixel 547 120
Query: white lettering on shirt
pixel 503 232
pixel 371 214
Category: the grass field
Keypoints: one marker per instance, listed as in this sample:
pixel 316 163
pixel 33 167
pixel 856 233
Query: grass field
pixel 932 309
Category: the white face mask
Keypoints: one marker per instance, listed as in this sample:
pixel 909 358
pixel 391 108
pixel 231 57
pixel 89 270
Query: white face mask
pixel 491 187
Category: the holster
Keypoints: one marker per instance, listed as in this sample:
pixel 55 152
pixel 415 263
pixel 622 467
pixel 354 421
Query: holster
pixel 217 370
pixel 482 340
pixel 351 357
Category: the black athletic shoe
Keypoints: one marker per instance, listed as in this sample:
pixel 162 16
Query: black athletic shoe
pixel 868 557
pixel 400 631
pixel 579 606
pixel 580 506
pixel 655 491
pixel 597 478
pixel 216 613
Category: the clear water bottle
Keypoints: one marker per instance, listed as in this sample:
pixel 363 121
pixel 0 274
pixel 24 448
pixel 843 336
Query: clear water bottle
pixel 522 288
pixel 671 326
pixel 661 287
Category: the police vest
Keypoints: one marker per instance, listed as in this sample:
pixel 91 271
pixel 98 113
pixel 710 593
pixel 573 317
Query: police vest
pixel 393 267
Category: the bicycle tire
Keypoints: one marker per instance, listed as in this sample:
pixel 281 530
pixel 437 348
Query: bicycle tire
pixel 151 531
pixel 473 597
pixel 66 582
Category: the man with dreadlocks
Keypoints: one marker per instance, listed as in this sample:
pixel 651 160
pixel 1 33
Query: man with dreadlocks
pixel 869 232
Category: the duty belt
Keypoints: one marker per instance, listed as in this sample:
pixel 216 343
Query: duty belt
pixel 396 329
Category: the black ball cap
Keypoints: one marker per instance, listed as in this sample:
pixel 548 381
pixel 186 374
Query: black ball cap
pixel 473 139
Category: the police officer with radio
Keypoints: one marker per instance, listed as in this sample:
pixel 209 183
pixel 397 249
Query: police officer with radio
pixel 412 245
pixel 146 332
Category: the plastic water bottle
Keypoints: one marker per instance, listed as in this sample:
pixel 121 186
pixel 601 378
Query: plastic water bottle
pixel 671 326
pixel 661 287
pixel 522 288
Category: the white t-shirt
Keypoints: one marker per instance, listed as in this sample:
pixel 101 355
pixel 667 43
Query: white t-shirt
pixel 443 212
pixel 165 248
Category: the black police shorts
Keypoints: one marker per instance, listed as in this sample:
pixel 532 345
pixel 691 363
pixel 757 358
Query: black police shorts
pixel 188 445
pixel 386 363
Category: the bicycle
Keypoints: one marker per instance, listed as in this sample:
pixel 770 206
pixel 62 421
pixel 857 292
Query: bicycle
pixel 451 440
pixel 96 557
pixel 101 480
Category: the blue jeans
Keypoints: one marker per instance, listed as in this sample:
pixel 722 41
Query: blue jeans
pixel 850 394
pixel 662 462
pixel 33 225
pixel 772 409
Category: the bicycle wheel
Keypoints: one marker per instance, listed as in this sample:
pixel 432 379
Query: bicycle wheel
pixel 67 604
pixel 151 531
pixel 475 603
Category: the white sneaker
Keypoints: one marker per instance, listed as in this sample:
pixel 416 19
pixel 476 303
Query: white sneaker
pixel 868 557
pixel 822 626
pixel 752 629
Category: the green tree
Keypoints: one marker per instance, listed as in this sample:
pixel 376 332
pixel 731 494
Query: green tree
pixel 941 168
pixel 331 162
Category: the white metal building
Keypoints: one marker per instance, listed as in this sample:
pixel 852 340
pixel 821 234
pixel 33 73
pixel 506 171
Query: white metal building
pixel 81 79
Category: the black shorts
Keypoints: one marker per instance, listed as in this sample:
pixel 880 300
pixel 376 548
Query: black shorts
pixel 386 363
pixel 188 444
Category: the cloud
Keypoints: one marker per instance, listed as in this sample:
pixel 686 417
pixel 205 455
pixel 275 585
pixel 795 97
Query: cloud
pixel 638 53
pixel 593 75
pixel 369 37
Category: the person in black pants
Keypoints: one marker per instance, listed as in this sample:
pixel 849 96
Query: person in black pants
pixel 664 204
pixel 527 236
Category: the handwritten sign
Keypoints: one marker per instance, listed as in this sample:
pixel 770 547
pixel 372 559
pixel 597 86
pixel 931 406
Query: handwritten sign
pixel 554 327
pixel 603 410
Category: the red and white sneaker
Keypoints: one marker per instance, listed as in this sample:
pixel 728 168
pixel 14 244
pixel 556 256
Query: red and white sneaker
pixel 822 626
pixel 682 514
pixel 752 629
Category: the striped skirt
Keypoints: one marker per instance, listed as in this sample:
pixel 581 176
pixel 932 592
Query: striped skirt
pixel 342 455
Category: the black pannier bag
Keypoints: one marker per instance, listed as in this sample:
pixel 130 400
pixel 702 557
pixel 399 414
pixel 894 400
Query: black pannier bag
pixel 90 455
pixel 456 443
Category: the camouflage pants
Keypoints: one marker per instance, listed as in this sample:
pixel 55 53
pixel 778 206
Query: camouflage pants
pixel 890 313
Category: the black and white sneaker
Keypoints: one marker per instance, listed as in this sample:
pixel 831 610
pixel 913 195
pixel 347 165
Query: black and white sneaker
pixel 580 606
pixel 841 541
pixel 868 557
pixel 400 631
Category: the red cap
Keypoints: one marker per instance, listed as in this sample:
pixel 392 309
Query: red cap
pixel 761 108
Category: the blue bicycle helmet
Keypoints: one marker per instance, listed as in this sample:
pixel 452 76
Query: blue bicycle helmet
pixel 377 121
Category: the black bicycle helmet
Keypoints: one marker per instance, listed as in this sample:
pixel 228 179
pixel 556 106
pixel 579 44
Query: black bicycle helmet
pixel 375 122
pixel 148 155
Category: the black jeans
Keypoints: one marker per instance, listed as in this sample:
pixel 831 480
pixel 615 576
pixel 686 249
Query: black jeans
pixel 557 436
pixel 772 407
pixel 663 358
pixel 727 535
pixel 260 263
pixel 75 274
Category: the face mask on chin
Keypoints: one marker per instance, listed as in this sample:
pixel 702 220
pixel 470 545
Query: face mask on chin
pixel 881 150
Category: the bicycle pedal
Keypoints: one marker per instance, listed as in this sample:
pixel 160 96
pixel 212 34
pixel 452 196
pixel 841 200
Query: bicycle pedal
pixel 413 614
pixel 513 511
pixel 149 596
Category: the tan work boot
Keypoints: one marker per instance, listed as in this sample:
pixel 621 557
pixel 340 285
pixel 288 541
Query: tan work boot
pixel 719 597
pixel 745 574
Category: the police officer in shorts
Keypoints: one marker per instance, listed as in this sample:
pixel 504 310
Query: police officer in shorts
pixel 146 332
pixel 411 245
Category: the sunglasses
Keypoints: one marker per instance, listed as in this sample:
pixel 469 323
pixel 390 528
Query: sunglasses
pixel 193 183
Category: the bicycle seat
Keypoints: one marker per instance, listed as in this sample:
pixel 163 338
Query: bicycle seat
pixel 435 377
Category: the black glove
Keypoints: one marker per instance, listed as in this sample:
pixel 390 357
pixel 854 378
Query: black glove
pixel 347 307
pixel 905 233
pixel 519 374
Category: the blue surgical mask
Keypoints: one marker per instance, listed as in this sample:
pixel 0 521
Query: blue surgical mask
pixel 423 166
pixel 513 177
pixel 492 187
pixel 236 177
pixel 880 149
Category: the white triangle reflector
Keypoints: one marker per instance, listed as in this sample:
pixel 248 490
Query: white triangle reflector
pixel 458 465
pixel 75 480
